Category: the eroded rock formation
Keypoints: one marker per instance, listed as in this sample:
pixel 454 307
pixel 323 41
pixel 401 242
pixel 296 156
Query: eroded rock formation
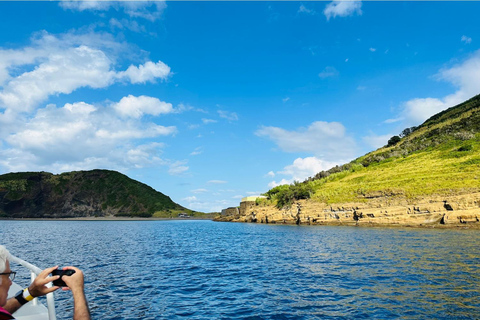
pixel 457 210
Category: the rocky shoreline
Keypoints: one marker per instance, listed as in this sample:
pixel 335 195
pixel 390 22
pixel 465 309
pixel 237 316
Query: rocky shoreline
pixel 440 211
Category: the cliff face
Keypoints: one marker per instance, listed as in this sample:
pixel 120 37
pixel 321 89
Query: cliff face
pixel 78 194
pixel 461 210
pixel 427 175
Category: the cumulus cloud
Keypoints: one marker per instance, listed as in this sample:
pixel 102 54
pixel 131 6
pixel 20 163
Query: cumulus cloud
pixel 149 9
pixel 146 72
pixel 464 76
pixel 79 136
pixel 61 67
pixel 328 72
pixel 136 107
pixel 301 169
pixel 63 72
pixel 327 140
pixel 342 9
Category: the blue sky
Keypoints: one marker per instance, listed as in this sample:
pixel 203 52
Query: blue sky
pixel 209 102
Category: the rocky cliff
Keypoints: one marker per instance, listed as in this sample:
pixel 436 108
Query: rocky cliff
pixel 95 193
pixel 460 210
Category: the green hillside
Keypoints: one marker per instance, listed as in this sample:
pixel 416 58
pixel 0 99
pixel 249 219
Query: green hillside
pixel 439 157
pixel 81 194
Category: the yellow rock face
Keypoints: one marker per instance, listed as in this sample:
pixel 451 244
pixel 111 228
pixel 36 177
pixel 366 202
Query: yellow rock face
pixel 462 210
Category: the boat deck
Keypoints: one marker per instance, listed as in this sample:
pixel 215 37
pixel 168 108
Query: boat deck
pixel 30 311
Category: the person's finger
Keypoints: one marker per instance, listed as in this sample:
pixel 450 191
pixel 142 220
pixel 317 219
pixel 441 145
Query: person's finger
pixel 47 280
pixel 51 289
pixel 65 288
pixel 47 271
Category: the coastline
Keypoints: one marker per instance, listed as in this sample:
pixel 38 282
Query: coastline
pixel 104 219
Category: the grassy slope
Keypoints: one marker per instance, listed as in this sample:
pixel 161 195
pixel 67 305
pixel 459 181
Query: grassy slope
pixel 441 157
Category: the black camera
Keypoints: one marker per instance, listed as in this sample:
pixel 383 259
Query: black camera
pixel 61 272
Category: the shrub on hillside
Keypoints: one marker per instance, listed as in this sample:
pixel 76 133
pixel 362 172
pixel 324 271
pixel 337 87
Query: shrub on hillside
pixel 285 195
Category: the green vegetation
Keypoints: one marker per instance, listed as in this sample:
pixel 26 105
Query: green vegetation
pixel 440 157
pixel 81 193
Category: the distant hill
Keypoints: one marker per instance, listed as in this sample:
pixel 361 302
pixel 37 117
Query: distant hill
pixel 95 193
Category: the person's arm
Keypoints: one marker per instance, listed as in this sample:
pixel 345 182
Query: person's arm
pixel 37 288
pixel 76 285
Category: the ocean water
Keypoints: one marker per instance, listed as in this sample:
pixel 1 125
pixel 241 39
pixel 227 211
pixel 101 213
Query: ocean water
pixel 209 270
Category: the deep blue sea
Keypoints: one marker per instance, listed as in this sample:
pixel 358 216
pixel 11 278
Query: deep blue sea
pixel 211 270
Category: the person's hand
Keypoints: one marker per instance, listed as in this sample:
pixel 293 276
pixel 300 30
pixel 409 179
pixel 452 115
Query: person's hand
pixel 38 287
pixel 75 281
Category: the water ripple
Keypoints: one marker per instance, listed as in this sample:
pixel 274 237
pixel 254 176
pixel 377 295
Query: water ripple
pixel 206 270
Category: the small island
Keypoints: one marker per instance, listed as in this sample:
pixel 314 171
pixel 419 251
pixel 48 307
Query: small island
pixel 102 194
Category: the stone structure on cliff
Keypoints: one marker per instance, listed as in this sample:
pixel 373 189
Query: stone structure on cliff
pixel 455 210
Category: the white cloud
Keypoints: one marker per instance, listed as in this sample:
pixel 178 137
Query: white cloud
pixel 145 155
pixel 63 72
pixel 239 196
pixel 304 9
pixel 80 135
pixel 63 64
pixel 178 168
pixel 126 24
pixel 232 116
pixel 209 206
pixel 327 140
pixel 375 141
pixel 394 120
pixel 274 184
pixel 197 151
pixel 328 72
pixel 342 9
pixel 207 121
pixel 466 39
pixel 136 107
pixel 199 191
pixel 271 174
pixel 286 99
pixel 216 182
pixel 150 9
pixel 146 72
pixel 372 49
pixel 465 77
pixel 301 169
pixel 190 199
